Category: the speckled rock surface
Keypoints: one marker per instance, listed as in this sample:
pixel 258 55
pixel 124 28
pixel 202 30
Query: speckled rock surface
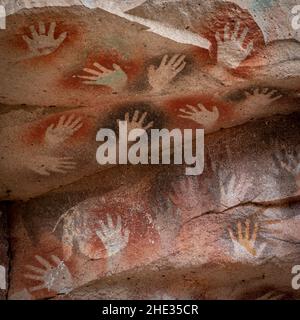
pixel 73 229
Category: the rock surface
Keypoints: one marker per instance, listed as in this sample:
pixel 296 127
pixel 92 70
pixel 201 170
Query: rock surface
pixel 73 229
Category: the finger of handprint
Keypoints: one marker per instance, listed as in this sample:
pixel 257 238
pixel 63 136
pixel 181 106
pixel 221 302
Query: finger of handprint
pixel 265 90
pixel 247 229
pixel 227 32
pixel 256 91
pixel 255 230
pixel 116 67
pixel 67 166
pixel 100 67
pixel 27 40
pixel 192 108
pixel 164 60
pixel 101 236
pixel 33 277
pixel 144 115
pixel 35 269
pixel 135 116
pixel 201 107
pixel 119 224
pixel 56 260
pixel 190 117
pixel 37 288
pixel 243 35
pixel 61 121
pixel 110 221
pixel 75 122
pixel 43 262
pixel 104 228
pixel 216 111
pixel 42 28
pixel 58 170
pixel 79 126
pixel 61 38
pixel 180 68
pixel 236 31
pixel 173 59
pixel 91 71
pixel 277 97
pixel 218 38
pixel 33 32
pixel 249 48
pixel 42 171
pixel 149 125
pixel 178 61
pixel 51 127
pixel 126 236
pixel 52 29
pixel 232 236
pixel 240 233
pixel 91 78
pixel 69 120
pixel 127 116
pixel 184 111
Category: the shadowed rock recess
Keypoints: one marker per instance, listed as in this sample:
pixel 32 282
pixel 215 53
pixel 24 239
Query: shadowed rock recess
pixel 73 229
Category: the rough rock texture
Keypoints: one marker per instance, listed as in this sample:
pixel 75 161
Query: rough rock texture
pixel 4 252
pixel 79 230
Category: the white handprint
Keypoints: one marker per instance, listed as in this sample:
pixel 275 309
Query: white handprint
pixel 136 122
pixel 160 77
pixel 54 278
pixel 113 237
pixel 231 51
pixel 244 243
pixel 233 190
pixel 256 101
pixel 116 79
pixel 289 161
pixel 65 128
pixel 41 43
pixel 201 115
pixel 167 222
pixel 45 165
pixel 185 193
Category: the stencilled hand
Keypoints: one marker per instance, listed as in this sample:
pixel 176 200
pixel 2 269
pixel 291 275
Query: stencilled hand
pixel 116 79
pixel 65 128
pixel 231 51
pixel 201 115
pixel 160 77
pixel 114 237
pixel 244 243
pixel 167 221
pixel 233 190
pixel 41 43
pixel 261 97
pixel 289 161
pixel 136 122
pixel 45 165
pixel 55 277
pixel 185 193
